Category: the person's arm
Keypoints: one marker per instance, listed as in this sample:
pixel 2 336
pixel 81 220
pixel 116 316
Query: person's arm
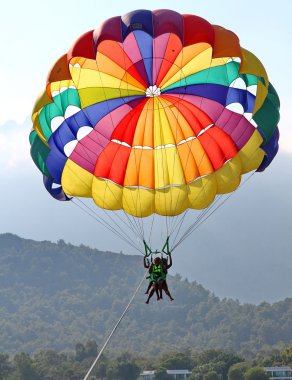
pixel 148 250
pixel 170 260
pixel 146 262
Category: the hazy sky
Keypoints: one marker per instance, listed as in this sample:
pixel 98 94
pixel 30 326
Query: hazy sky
pixel 34 34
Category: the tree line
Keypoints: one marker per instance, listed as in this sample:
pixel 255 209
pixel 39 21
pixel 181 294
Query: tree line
pixel 211 364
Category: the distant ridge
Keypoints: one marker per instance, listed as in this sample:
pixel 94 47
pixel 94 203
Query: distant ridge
pixel 53 295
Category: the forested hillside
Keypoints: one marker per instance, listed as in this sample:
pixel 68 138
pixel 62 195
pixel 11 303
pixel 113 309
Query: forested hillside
pixel 54 295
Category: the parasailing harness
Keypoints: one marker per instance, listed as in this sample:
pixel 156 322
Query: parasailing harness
pixel 158 272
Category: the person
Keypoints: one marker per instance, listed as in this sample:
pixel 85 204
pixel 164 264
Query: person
pixel 155 271
pixel 164 285
pixel 157 277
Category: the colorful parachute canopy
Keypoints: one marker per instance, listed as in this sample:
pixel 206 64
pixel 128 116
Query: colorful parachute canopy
pixel 154 112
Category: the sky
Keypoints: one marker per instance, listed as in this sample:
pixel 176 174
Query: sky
pixel 35 34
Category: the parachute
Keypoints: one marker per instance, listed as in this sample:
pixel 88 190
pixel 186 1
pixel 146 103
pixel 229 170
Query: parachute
pixel 154 112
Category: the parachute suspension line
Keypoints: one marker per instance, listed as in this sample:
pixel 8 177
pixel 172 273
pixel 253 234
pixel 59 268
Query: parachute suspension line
pixel 151 229
pixel 107 214
pixel 114 329
pixel 119 232
pixel 198 218
pixel 197 224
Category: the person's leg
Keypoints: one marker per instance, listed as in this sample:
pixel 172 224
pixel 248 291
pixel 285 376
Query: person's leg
pixel 153 289
pixel 160 282
pixel 165 288
pixel 157 290
pixel 149 287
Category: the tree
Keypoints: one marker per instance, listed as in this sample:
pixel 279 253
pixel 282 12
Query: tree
pixel 124 368
pixel 212 375
pixel 4 365
pixel 91 348
pixel 218 361
pixel 80 352
pixel 256 373
pixel 24 368
pixel 237 371
pixel 175 360
pixel 161 374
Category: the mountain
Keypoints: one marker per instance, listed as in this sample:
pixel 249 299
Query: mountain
pixel 54 295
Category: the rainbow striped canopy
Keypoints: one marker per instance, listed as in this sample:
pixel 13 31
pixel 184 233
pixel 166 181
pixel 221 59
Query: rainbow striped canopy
pixel 154 112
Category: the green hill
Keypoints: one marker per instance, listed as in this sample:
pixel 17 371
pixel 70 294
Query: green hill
pixel 54 295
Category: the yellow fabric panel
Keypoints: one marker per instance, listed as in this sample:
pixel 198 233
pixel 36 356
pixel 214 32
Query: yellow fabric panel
pixel 175 171
pixel 162 128
pixel 42 100
pixel 84 78
pixel 146 175
pixel 76 181
pixel 220 61
pixel 262 93
pixel 37 127
pixel 160 168
pixel 172 121
pixel 94 95
pixel 168 168
pixel 202 192
pixel 229 175
pixel 252 65
pixel 184 57
pixel 107 194
pixel 171 201
pixel 56 86
pixel 188 162
pixel 179 70
pixel 251 155
pixel 135 201
pixel 138 202
pixel 181 130
pixel 82 61
pixel 144 129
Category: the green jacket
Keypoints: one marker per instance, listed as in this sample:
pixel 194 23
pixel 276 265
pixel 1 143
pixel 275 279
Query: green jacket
pixel 157 272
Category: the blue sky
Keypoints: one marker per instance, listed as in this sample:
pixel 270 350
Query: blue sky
pixel 35 34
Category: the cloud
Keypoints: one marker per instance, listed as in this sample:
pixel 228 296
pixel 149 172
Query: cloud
pixel 285 125
pixel 14 149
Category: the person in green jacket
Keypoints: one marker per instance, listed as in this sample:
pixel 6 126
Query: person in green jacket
pixel 155 271
pixel 157 277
